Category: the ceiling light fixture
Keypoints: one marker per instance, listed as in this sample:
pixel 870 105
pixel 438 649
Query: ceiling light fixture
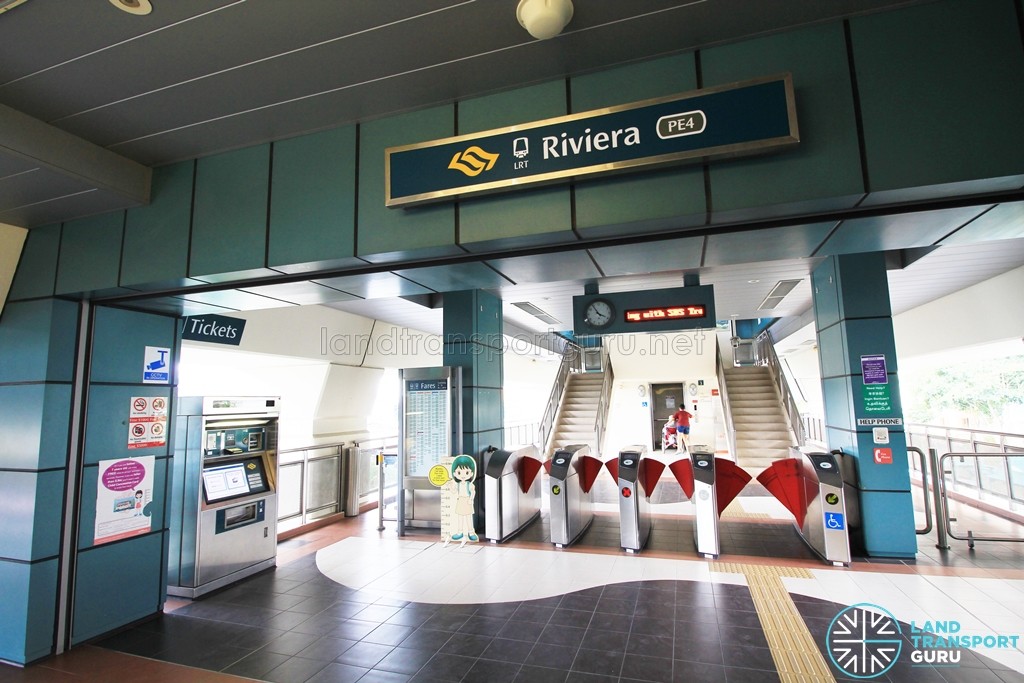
pixel 139 7
pixel 543 19
pixel 778 293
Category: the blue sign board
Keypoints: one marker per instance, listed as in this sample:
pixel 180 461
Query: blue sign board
pixel 872 369
pixel 745 118
pixel 834 521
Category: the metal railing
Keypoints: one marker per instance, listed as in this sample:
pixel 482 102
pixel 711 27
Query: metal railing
pixel 309 483
pixel 521 434
pixel 604 403
pixel 814 428
pixel 950 439
pixel 1008 467
pixel 928 526
pixel 572 360
pixel 764 354
pixel 730 428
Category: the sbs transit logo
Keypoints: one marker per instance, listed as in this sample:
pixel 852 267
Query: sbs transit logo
pixel 473 161
pixel 864 640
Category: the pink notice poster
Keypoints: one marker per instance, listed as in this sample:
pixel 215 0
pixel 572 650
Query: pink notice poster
pixel 123 490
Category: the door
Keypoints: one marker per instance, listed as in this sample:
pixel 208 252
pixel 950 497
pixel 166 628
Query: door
pixel 665 400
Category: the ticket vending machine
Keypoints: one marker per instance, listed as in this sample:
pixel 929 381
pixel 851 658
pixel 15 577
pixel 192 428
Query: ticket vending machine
pixel 224 500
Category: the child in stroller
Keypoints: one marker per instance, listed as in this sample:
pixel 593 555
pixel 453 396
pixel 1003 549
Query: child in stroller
pixel 668 435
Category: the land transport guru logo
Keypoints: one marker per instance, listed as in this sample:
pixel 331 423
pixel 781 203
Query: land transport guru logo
pixel 865 641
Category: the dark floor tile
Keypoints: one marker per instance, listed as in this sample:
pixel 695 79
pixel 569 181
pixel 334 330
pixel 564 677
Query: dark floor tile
pixel 427 639
pixel 389 634
pixel 338 673
pixel 488 671
pixel 294 670
pixel 353 630
pixel 286 621
pixel 586 603
pixel 738 675
pixel 256 637
pixel 748 657
pixel 408 617
pixel 377 613
pixel 318 624
pixel 608 641
pixel 604 621
pixel 313 604
pixel 969 675
pixel 404 660
pixel 505 650
pixel 533 613
pixel 391 602
pixel 136 642
pixel 582 677
pixel 445 622
pixel 616 606
pixel 345 610
pixel 497 610
pixel 644 644
pixel 378 676
pixel 700 652
pixel 571 617
pixel 291 643
pixel 1009 676
pixel 659 610
pixel 483 626
pixel 256 664
pixel 654 627
pixel 694 672
pixel 364 654
pixel 466 644
pixel 528 631
pixel 326 649
pixel 537 674
pixel 569 636
pixel 753 637
pixel 729 617
pixel 552 656
pixel 647 668
pixel 600 662
pixel 442 667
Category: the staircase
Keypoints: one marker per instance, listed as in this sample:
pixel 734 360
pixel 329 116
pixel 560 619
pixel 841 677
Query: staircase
pixel 762 430
pixel 578 413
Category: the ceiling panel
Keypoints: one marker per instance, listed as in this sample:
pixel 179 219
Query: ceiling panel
pixel 900 231
pixel 374 285
pixel 455 277
pixel 301 293
pixel 1005 221
pixel 554 267
pixel 765 245
pixel 650 257
pixel 236 299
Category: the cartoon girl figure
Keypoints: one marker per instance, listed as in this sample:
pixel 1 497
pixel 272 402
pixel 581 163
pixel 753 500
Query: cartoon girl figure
pixel 463 474
pixel 138 503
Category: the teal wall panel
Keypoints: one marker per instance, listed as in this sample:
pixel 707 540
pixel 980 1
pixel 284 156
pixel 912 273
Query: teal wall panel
pixel 27 610
pixel 863 286
pixel 34 421
pixel 894 476
pixel 90 254
pixel 33 504
pixel 313 202
pixel 832 353
pixel 107 421
pixel 155 510
pixel 36 274
pixel 120 338
pixel 868 337
pixel 933 114
pixel 229 221
pixel 385 234
pixel 837 396
pixel 827 310
pixel 888 524
pixel 156 235
pixel 37 341
pixel 816 58
pixel 117 584
pixel 638 202
pixel 521 218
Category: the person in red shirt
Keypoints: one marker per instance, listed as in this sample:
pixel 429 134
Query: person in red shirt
pixel 682 420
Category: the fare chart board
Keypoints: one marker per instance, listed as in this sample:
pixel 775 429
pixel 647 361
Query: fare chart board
pixel 427 425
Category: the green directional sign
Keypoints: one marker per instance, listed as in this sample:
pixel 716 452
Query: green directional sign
pixel 738 119
pixel 877 398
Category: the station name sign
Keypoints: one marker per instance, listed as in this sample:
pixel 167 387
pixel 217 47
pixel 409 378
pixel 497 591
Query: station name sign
pixel 738 119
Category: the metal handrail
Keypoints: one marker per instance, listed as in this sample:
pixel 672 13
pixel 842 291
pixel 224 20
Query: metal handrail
pixel 730 429
pixel 764 351
pixel 572 359
pixel 924 485
pixel 944 518
pixel 322 452
pixel 604 403
pixel 1005 442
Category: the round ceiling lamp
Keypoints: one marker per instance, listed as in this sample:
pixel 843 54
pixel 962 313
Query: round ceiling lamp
pixel 133 6
pixel 543 19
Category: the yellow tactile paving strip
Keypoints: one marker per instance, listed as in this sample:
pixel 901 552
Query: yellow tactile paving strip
pixel 796 655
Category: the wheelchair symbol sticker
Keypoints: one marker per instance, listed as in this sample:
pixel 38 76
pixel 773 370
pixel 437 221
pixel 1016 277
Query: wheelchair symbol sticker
pixel 834 521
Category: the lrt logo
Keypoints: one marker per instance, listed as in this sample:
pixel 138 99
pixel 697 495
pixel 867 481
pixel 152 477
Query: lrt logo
pixel 473 161
pixel 864 641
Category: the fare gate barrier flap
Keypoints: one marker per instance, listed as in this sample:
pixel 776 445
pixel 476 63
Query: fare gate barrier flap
pixel 511 491
pixel 711 484
pixel 572 472
pixel 811 487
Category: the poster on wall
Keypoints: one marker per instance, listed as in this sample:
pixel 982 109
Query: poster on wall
pixel 124 488
pixel 147 422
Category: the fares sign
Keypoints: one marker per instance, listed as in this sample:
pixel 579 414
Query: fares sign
pixel 739 119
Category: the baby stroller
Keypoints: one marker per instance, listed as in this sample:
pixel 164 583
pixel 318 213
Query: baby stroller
pixel 668 435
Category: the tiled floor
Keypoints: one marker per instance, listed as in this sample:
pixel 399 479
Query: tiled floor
pixel 348 603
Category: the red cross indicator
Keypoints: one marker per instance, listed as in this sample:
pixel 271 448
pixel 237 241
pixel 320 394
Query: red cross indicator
pixel 883 456
pixel 626 492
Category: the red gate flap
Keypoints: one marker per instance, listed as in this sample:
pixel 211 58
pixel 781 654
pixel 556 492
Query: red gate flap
pixel 547 466
pixel 613 469
pixel 730 479
pixel 784 480
pixel 650 473
pixel 528 469
pixel 588 468
pixel 683 470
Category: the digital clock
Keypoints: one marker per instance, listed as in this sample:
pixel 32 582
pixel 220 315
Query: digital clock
pixel 643 315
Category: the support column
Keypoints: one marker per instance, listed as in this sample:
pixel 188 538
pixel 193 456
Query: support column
pixel 472 341
pixel 857 355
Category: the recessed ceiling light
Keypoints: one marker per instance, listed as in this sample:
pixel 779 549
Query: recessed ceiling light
pixel 133 6
pixel 752 282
